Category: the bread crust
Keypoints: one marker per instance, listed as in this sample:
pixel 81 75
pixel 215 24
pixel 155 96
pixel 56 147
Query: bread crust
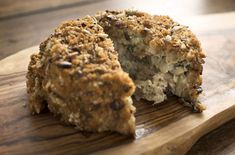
pixel 78 75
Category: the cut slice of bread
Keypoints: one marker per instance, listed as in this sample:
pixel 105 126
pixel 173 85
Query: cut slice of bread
pixel 77 76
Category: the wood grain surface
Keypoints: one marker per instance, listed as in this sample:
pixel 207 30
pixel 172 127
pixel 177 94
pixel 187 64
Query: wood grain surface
pixel 25 23
pixel 13 9
pixel 169 128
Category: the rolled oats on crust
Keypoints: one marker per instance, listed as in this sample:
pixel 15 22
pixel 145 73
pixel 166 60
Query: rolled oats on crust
pixel 81 80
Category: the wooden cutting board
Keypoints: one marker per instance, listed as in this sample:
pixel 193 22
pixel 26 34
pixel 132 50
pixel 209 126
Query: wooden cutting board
pixel 168 128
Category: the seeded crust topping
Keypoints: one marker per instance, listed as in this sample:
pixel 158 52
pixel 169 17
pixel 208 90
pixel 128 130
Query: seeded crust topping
pixel 77 76
pixel 88 69
pixel 158 31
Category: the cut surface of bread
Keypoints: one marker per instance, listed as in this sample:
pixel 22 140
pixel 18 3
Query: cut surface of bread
pixel 161 56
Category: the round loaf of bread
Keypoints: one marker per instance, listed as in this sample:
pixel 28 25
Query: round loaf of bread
pixel 88 69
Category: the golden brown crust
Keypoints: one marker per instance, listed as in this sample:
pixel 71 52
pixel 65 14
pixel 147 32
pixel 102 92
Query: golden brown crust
pixel 81 79
pixel 160 32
